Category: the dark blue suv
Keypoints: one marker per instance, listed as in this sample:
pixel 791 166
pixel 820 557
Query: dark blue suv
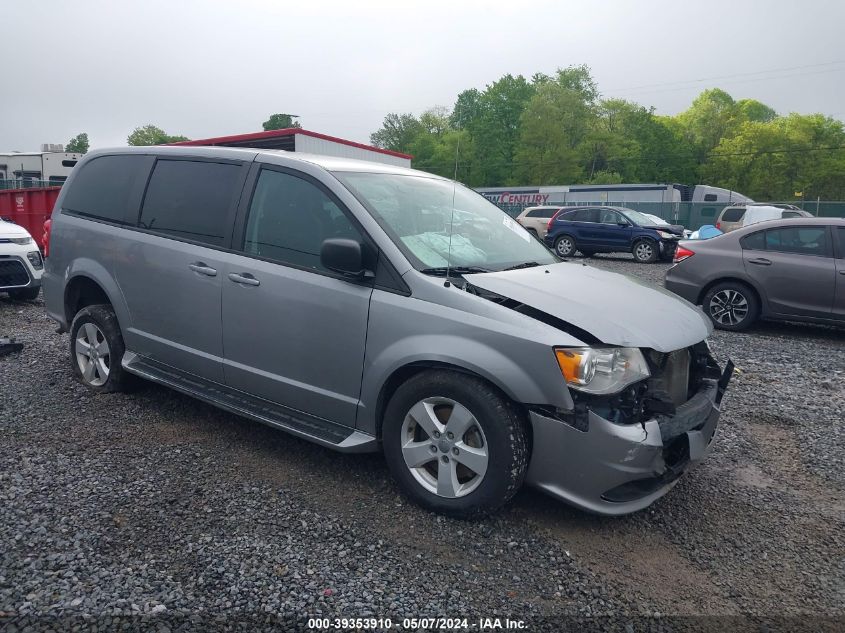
pixel 611 230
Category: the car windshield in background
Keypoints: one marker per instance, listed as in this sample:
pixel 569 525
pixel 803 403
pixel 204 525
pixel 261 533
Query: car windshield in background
pixel 416 213
pixel 640 218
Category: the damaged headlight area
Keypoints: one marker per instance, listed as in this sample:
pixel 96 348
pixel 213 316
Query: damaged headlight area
pixel 601 370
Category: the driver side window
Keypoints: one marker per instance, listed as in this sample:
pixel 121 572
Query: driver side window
pixel 608 216
pixel 289 218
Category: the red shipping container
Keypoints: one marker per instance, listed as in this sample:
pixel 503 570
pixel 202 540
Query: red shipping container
pixel 29 208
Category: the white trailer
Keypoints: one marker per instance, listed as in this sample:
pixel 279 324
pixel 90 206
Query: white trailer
pixel 31 167
pixel 609 194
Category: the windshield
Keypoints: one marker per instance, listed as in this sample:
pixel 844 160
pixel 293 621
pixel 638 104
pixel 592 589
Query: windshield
pixel 640 218
pixel 416 212
pixel 656 220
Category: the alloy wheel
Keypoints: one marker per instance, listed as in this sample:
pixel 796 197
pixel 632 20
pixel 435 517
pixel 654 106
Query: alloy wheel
pixel 644 251
pixel 728 307
pixel 444 447
pixel 564 246
pixel 92 354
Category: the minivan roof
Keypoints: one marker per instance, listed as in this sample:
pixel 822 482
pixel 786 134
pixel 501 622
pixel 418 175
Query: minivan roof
pixel 329 163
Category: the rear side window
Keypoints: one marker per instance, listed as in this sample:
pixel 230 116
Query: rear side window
pixel 804 240
pixel 542 213
pixel 104 186
pixel 289 218
pixel 733 215
pixel 755 241
pixel 709 197
pixel 585 215
pixel 791 214
pixel 190 200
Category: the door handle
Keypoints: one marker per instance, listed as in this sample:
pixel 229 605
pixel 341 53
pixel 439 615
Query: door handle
pixel 202 269
pixel 842 272
pixel 760 261
pixel 244 278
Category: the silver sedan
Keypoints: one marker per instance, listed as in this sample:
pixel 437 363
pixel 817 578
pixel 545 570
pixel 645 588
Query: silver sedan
pixel 784 269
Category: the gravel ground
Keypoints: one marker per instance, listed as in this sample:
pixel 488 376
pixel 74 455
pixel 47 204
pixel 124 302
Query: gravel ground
pixel 153 511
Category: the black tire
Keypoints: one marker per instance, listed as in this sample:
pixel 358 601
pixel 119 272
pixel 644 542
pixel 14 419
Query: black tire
pixel 741 296
pixel 25 294
pixel 503 430
pixel 565 246
pixel 534 233
pixel 105 321
pixel 645 251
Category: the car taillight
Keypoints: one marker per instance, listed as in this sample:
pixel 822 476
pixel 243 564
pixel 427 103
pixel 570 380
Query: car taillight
pixel 551 220
pixel 719 225
pixel 46 237
pixel 682 253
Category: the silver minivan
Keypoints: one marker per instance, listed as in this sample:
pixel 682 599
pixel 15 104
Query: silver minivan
pixel 368 307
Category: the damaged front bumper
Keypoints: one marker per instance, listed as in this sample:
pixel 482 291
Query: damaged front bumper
pixel 614 469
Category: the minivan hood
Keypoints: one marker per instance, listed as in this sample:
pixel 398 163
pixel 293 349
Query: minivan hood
pixel 9 230
pixel 615 308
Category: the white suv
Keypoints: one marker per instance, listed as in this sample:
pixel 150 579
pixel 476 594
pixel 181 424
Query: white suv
pixel 21 264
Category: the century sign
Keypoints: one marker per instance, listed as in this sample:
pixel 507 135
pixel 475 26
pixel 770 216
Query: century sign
pixel 507 199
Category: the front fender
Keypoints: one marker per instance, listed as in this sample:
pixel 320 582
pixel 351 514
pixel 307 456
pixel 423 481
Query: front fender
pixel 408 332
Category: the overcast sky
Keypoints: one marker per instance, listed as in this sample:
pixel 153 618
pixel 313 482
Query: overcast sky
pixel 209 68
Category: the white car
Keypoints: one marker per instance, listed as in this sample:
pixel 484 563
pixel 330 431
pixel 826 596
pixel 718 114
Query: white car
pixel 658 220
pixel 21 264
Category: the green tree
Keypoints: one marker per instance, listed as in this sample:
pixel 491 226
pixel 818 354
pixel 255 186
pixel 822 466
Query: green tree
pixel 552 128
pixel 712 116
pixel 397 132
pixel 753 110
pixel 280 122
pixel 772 160
pixel 495 130
pixel 152 135
pixel 78 144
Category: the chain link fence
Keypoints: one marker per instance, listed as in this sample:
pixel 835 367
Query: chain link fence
pixel 28 183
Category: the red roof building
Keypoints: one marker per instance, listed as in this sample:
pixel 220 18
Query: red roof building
pixel 294 139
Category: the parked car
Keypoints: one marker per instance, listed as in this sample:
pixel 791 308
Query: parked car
pixel 611 230
pixel 536 219
pixel 735 217
pixel 661 222
pixel 784 269
pixel 20 263
pixel 324 296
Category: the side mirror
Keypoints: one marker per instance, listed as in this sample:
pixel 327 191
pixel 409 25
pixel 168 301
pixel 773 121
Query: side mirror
pixel 344 256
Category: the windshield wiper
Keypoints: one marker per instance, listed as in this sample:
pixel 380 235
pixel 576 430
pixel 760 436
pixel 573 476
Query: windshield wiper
pixel 522 265
pixel 441 271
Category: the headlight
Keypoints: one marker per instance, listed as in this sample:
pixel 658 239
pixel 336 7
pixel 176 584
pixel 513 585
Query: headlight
pixel 667 236
pixel 21 240
pixel 34 258
pixel 601 370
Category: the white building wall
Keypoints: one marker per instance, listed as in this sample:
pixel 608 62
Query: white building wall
pixel 310 144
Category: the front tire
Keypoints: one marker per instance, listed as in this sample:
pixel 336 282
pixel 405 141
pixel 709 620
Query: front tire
pixel 731 306
pixel 96 349
pixel 455 444
pixel 645 251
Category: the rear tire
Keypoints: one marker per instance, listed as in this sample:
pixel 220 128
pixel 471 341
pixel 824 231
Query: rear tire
pixel 731 306
pixel 25 294
pixel 440 429
pixel 565 246
pixel 534 233
pixel 96 350
pixel 645 251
